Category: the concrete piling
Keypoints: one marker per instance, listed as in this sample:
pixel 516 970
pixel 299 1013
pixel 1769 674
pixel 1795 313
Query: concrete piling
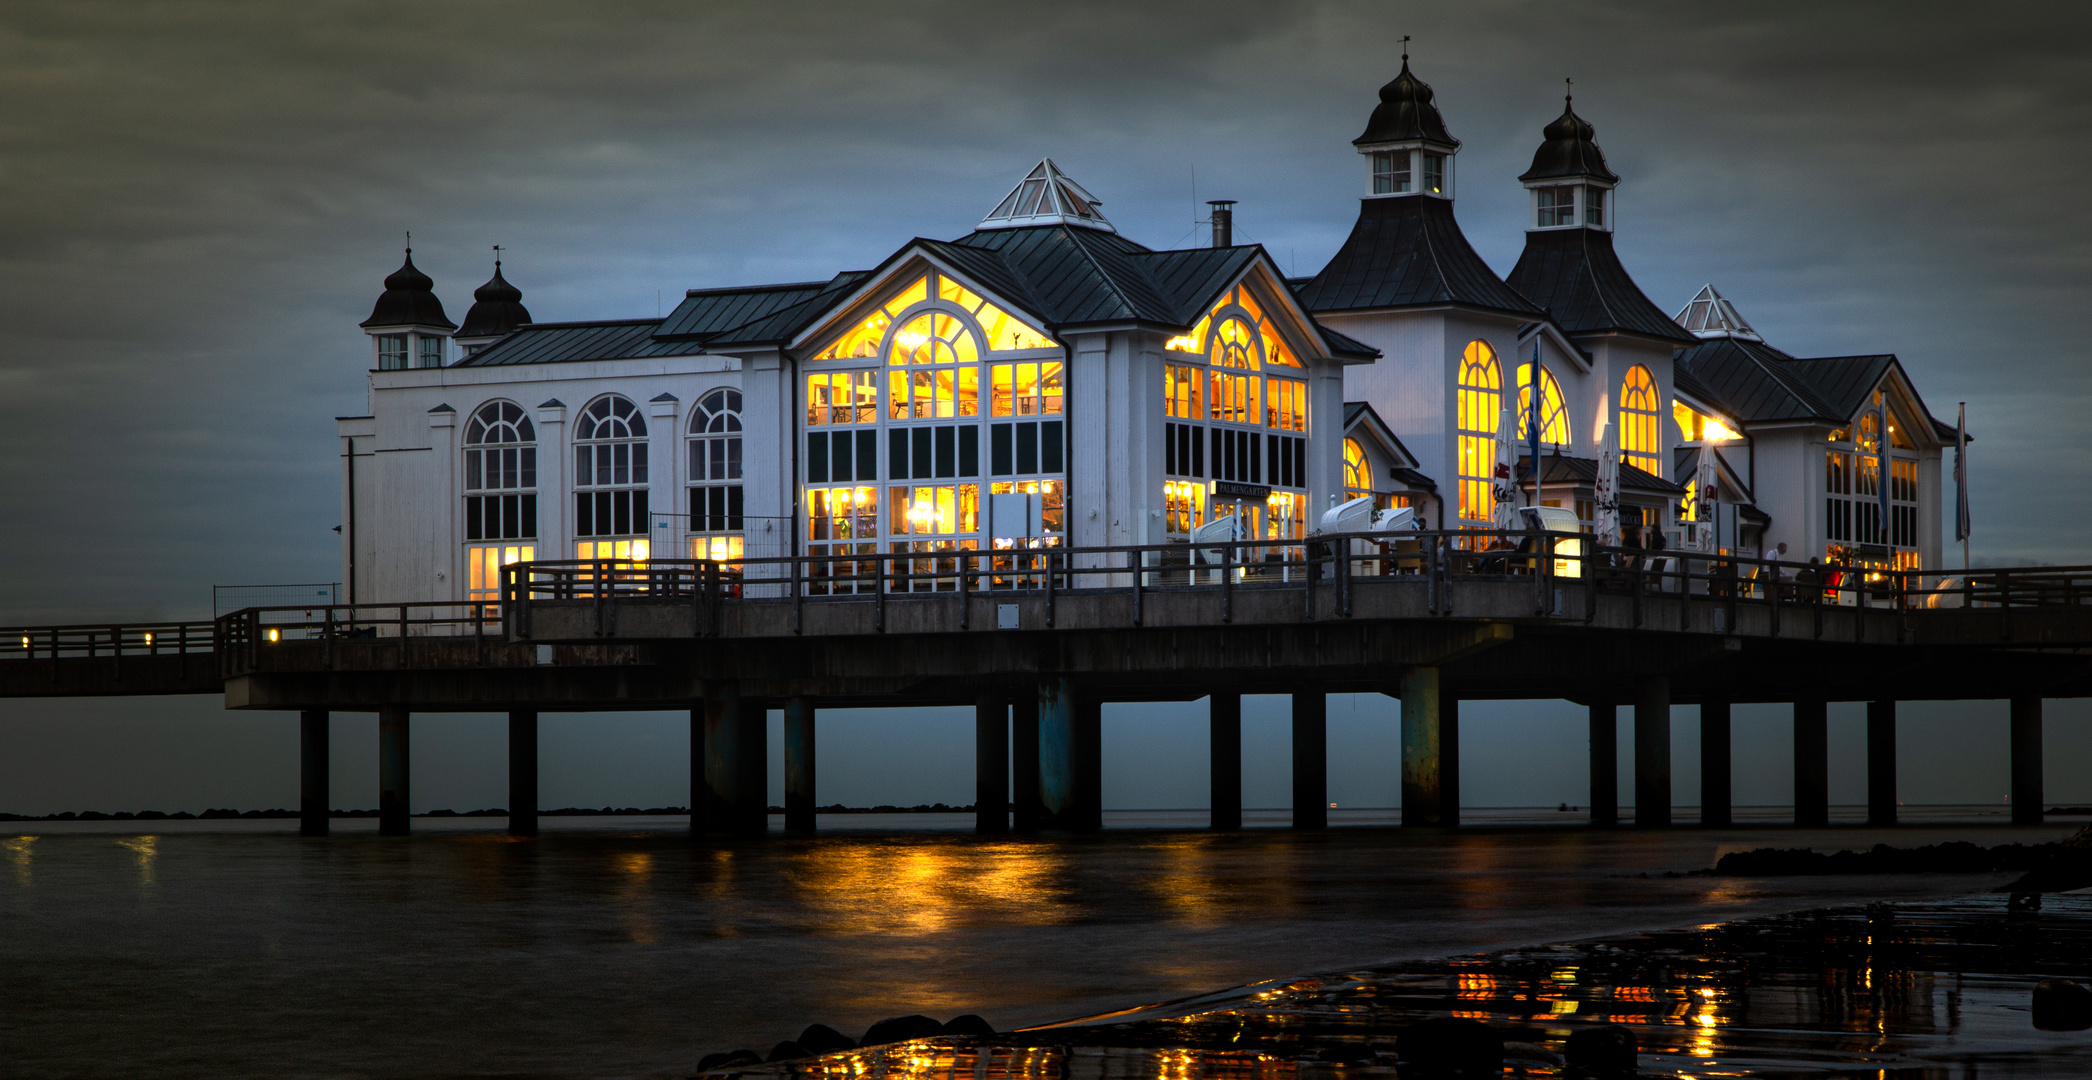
pixel 1423 761
pixel 1070 758
pixel 1224 721
pixel 2027 794
pixel 393 781
pixel 1716 799
pixel 991 763
pixel 1310 759
pixel 1652 752
pixel 313 772
pixel 1811 763
pixel 1605 764
pixel 737 749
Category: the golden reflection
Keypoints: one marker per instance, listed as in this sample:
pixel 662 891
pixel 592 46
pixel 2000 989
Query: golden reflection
pixel 886 888
pixel 635 868
pixel 147 849
pixel 18 853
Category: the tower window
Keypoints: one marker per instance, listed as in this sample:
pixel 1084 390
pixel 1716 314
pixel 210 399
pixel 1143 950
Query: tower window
pixel 431 354
pixel 1390 172
pixel 1557 205
pixel 1594 206
pixel 392 352
pixel 1434 173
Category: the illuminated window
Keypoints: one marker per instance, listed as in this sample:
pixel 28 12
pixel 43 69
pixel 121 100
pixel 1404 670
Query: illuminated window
pixel 1358 470
pixel 943 510
pixel 1052 495
pixel 865 338
pixel 1478 408
pixel 715 456
pixel 1641 429
pixel 1183 388
pixel 626 553
pixel 1700 427
pixel 1285 404
pixel 1030 389
pixel 1001 331
pixel 717 548
pixel 501 474
pixel 483 568
pixel 610 469
pixel 392 352
pixel 1285 515
pixel 1554 420
pixel 935 374
pixel 1390 172
pixel 842 397
pixel 1184 506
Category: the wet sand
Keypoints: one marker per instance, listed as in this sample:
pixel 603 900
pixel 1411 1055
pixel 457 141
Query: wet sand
pixel 620 948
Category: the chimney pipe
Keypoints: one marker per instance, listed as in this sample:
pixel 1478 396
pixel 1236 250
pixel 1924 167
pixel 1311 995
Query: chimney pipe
pixel 1223 222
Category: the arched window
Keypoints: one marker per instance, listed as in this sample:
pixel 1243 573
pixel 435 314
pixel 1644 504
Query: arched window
pixel 1641 427
pixel 715 475
pixel 1358 471
pixel 610 479
pixel 936 373
pixel 1554 420
pixel 501 501
pixel 1242 387
pixel 1478 407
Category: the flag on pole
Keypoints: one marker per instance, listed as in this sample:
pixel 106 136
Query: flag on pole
pixel 1961 474
pixel 1532 421
pixel 1505 512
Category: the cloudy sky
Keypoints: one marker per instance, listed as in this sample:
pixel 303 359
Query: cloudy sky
pixel 199 200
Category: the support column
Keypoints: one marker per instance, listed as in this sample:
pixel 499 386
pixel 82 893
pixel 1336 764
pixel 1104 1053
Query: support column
pixel 1224 721
pixel 1026 810
pixel 1652 752
pixel 697 769
pixel 1716 799
pixel 991 763
pixel 1070 758
pixel 1310 759
pixel 1881 763
pixel 1605 764
pixel 1811 762
pixel 737 756
pixel 1423 760
pixel 2027 807
pixel 393 786
pixel 523 772
pixel 799 765
pixel 312 773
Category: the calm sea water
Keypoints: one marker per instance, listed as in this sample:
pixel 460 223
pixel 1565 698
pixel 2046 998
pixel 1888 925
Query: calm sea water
pixel 208 949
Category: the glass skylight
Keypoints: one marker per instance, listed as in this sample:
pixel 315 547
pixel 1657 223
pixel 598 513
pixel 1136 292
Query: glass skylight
pixel 1711 315
pixel 1046 196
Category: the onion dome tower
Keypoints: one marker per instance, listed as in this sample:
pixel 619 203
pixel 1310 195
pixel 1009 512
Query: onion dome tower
pixel 497 308
pixel 1569 266
pixel 407 326
pixel 1406 250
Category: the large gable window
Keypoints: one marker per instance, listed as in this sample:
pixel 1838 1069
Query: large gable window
pixel 610 477
pixel 1554 419
pixel 501 501
pixel 1478 409
pixel 1641 426
pixel 1235 372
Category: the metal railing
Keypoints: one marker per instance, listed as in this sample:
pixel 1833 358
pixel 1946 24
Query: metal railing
pixel 85 641
pixel 243 633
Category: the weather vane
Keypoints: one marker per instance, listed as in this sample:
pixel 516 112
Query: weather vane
pixel 1568 89
pixel 1405 48
pixel 497 256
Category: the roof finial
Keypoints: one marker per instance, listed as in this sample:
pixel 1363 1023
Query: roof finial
pixel 497 258
pixel 1405 48
pixel 410 242
pixel 1568 91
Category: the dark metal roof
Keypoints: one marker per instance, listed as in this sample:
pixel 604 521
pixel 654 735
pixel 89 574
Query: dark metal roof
pixel 1577 277
pixel 497 308
pixel 1405 113
pixel 1563 469
pixel 1566 151
pixel 409 299
pixel 1756 383
pixel 1409 252
pixel 705 312
pixel 552 343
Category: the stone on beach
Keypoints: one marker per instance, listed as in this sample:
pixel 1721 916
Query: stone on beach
pixel 726 1059
pixel 822 1039
pixel 969 1024
pixel 2062 1005
pixel 787 1051
pixel 901 1029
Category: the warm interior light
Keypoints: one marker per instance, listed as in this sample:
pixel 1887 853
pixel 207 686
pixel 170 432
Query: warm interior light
pixel 148 639
pixel 275 635
pixel 1182 343
pixel 25 641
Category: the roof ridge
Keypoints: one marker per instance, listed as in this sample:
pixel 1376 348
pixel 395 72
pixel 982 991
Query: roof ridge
pixel 1109 281
pixel 577 324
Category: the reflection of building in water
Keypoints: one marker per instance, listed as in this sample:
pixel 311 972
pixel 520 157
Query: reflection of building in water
pixel 1045 380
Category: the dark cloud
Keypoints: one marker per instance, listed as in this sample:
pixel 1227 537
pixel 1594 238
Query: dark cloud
pixel 197 202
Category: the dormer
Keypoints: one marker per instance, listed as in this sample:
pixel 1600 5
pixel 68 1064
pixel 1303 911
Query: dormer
pixel 1406 146
pixel 407 327
pixel 1570 184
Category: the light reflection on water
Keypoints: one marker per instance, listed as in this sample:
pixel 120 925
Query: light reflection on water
pixel 633 951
